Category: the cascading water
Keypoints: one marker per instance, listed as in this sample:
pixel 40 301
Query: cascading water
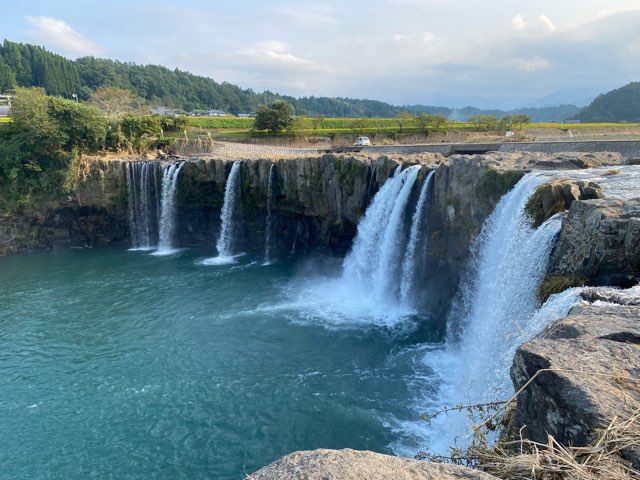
pixel 269 226
pixel 225 240
pixel 417 228
pixel 167 209
pixel 367 292
pixel 375 257
pixel 140 177
pixel 496 312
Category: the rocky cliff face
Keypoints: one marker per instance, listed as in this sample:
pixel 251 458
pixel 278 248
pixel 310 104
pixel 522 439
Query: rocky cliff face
pixel 316 202
pixel 93 215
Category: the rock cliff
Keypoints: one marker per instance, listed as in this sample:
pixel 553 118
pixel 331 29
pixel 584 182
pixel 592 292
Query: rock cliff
pixel 94 214
pixel 316 202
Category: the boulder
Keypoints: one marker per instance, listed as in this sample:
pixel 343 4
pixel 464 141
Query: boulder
pixel 599 241
pixel 557 196
pixel 350 464
pixel 594 357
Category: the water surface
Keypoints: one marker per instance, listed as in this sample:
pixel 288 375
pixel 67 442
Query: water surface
pixel 121 364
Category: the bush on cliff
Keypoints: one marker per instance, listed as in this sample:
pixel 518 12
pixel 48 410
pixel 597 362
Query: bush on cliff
pixel 37 147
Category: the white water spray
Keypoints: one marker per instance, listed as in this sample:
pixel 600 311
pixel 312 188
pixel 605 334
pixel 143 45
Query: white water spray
pixel 168 209
pixel 366 293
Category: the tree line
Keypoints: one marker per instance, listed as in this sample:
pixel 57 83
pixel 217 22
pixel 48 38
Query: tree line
pixel 27 65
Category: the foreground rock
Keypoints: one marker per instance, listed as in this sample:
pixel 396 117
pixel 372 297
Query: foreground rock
pixel 350 464
pixel 594 358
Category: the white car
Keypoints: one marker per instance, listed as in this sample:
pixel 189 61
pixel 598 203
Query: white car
pixel 362 142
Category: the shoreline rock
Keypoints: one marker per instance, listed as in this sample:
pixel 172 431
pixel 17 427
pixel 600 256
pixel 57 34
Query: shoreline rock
pixel 347 464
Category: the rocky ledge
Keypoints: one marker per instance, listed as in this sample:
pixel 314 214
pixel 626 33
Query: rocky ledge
pixel 350 464
pixel 582 373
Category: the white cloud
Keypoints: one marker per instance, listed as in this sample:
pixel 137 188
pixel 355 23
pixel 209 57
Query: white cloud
pixel 310 15
pixel 532 64
pixel 544 21
pixel 606 12
pixel 542 24
pixel 415 38
pixel 518 23
pixel 58 34
pixel 274 52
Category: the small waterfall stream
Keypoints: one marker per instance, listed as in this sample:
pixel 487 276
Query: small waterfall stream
pixel 231 193
pixel 140 178
pixel 269 226
pixel 167 209
pixel 224 245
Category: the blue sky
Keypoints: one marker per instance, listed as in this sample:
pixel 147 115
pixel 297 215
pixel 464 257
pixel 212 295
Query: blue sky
pixel 502 53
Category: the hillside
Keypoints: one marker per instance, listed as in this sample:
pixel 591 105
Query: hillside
pixel 619 105
pixel 27 65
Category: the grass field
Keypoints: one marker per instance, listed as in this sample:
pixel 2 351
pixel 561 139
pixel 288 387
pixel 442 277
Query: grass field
pixel 403 129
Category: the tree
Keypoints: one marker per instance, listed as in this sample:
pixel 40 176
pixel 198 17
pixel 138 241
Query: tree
pixel 484 122
pixel 81 126
pixel 7 77
pixel 404 119
pixel 318 122
pixel 115 101
pixel 426 121
pixel 519 121
pixel 275 119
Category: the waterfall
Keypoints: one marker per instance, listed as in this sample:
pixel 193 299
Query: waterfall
pixel 417 227
pixel 140 192
pixel 367 291
pixel 375 257
pixel 498 309
pixel 167 209
pixel 269 226
pixel 231 194
pixel 295 237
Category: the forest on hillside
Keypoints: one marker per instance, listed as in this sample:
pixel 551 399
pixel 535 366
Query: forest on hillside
pixel 26 65
pixel 619 105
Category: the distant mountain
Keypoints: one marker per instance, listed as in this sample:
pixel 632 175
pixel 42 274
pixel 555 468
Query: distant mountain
pixel 580 97
pixel 548 114
pixel 619 105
